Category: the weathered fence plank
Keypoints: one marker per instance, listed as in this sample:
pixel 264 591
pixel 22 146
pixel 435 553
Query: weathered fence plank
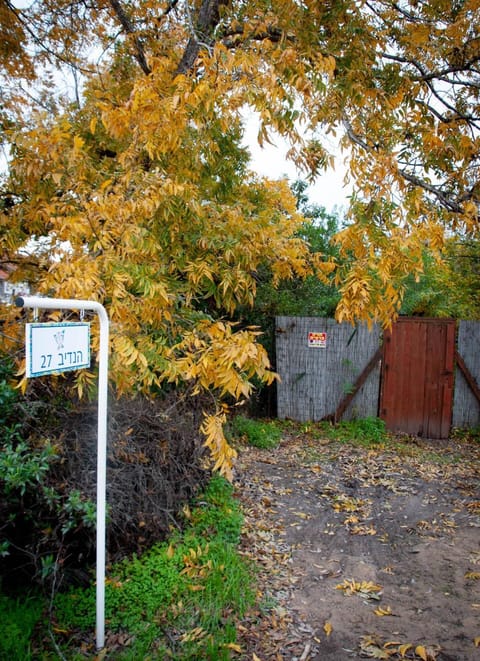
pixel 316 375
pixel 466 409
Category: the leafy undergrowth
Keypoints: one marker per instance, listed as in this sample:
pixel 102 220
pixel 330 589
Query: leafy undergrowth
pixel 179 600
pixel 193 597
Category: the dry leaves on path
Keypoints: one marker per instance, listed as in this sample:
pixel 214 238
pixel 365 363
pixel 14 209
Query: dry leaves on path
pixel 320 515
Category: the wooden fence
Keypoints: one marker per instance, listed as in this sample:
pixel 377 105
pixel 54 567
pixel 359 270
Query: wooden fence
pixel 331 370
pixel 466 396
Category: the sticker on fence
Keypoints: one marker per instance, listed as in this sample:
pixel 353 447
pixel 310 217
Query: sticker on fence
pixel 317 340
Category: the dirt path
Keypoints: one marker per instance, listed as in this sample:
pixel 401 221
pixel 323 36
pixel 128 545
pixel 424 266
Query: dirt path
pixel 364 553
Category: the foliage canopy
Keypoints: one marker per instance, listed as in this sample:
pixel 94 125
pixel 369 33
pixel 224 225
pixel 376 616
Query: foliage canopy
pixel 143 189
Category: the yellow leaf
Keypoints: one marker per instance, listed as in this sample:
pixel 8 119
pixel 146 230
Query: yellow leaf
pixel 302 515
pixel 170 552
pixel 93 124
pixel 78 143
pixel 403 649
pixel 194 634
pixel 476 641
pixel 234 647
pixel 421 652
pixel 22 385
pixel 256 658
pixel 472 575
pixel 105 184
pixel 383 611
pixel 327 627
pixel 419 35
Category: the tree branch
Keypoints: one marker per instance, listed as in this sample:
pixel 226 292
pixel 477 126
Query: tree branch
pixel 130 30
pixel 232 38
pixel 40 42
pixel 356 139
pixel 171 5
pixel 202 31
pixel 444 200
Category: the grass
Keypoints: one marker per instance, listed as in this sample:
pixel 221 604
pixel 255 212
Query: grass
pixel 18 617
pixel 259 433
pixel 179 600
pixel 469 435
pixel 364 432
pixel 183 598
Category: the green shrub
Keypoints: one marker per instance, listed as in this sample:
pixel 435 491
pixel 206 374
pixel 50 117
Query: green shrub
pixel 135 591
pixel 21 467
pixel 460 434
pixel 48 476
pixel 38 512
pixel 259 433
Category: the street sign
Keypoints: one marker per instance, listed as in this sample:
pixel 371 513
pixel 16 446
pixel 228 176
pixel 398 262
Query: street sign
pixel 56 347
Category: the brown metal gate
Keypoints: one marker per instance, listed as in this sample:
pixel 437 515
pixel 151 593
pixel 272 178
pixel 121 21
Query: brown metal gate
pixel 417 377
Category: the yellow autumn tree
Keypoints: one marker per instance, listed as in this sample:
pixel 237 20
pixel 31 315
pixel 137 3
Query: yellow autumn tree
pixel 144 192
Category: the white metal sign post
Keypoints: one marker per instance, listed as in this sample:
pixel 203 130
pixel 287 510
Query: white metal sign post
pixel 60 347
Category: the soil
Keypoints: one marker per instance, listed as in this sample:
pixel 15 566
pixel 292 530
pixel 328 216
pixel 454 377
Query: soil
pixel 364 553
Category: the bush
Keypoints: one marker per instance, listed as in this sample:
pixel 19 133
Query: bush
pixel 216 516
pixel 364 431
pixel 48 476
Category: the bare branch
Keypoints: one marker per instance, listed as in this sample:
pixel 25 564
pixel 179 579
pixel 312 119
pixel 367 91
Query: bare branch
pixel 354 137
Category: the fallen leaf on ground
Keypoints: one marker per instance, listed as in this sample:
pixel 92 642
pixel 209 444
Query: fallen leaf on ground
pixel 383 611
pixel 421 652
pixel 234 647
pixel 364 588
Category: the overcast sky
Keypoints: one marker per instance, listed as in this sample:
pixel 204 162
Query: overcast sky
pixel 270 161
